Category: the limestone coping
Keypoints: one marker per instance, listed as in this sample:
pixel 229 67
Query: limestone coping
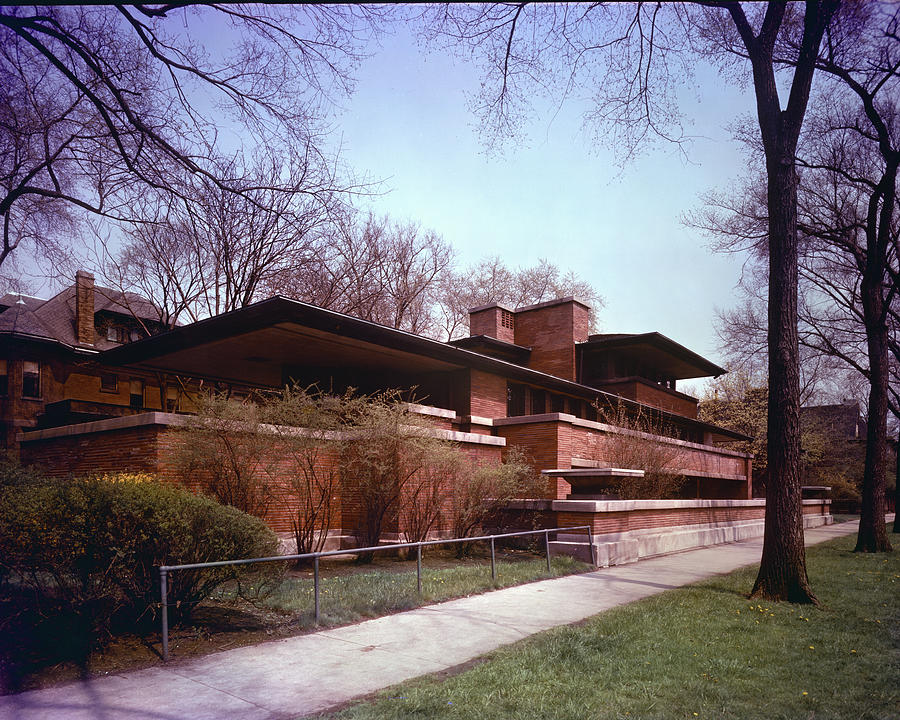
pixel 174 419
pixel 594 472
pixel 598 506
pixel 604 427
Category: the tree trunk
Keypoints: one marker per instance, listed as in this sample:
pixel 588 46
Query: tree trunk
pixel 872 535
pixel 782 569
pixel 897 487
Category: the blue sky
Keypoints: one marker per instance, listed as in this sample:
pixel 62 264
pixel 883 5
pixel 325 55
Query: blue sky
pixel 554 194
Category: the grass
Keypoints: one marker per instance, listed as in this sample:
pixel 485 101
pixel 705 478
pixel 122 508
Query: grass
pixel 349 598
pixel 703 651
pixel 50 655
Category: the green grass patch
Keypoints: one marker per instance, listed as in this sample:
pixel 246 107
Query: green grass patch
pixel 703 651
pixel 348 598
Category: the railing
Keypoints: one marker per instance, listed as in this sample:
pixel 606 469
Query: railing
pixel 164 570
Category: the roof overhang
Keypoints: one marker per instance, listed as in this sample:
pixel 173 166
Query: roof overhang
pixel 658 351
pixel 254 345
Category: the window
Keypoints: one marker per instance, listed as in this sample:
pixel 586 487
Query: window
pixel 558 403
pixel 506 320
pixel 31 379
pixel 538 402
pixel 116 333
pixel 515 400
pixel 4 378
pixel 136 397
pixel 109 382
pixel 171 398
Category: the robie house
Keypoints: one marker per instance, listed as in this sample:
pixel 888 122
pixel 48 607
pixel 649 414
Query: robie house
pixel 84 388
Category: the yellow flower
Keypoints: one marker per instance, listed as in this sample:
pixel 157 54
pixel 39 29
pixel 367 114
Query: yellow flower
pixel 812 647
pixel 805 693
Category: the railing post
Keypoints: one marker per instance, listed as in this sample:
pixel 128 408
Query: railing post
pixel 547 547
pixel 591 546
pixel 419 569
pixel 316 585
pixel 163 596
pixel 493 564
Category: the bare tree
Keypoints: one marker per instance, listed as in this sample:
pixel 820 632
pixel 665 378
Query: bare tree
pixel 629 58
pixel 376 269
pixel 102 104
pixel 491 280
pixel 847 219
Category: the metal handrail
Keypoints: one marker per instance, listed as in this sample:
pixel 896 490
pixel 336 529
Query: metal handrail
pixel 164 570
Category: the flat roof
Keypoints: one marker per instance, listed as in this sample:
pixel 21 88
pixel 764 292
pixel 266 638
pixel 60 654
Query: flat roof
pixel 657 350
pixel 252 345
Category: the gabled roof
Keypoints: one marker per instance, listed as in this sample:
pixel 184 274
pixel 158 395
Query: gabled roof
pixel 22 320
pixel 656 350
pixel 54 319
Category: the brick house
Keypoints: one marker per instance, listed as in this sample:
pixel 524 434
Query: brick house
pixel 532 377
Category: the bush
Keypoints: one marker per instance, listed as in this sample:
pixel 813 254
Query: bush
pixel 88 549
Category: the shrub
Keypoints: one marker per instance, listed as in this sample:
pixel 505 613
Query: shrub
pixel 635 446
pixel 478 497
pixel 227 452
pixel 88 549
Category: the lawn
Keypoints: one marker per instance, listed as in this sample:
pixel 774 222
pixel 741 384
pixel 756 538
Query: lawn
pixel 349 593
pixel 703 651
pixel 347 598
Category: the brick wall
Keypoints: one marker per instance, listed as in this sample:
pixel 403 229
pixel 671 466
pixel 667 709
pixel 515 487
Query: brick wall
pixel 551 330
pixel 648 394
pixel 553 441
pixel 148 446
pixel 488 394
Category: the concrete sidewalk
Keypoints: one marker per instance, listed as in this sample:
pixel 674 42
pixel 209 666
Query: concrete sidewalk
pixel 303 675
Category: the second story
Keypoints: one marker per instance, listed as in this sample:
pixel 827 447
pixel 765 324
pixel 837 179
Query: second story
pixel 553 338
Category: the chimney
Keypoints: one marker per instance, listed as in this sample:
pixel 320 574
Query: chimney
pixel 84 307
pixel 552 330
pixel 494 321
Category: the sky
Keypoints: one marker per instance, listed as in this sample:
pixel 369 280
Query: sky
pixel 553 195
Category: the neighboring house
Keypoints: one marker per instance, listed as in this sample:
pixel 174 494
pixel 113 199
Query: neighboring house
pixel 843 421
pixel 531 377
pixel 50 367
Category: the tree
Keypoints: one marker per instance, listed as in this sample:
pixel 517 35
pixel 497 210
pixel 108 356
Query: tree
pixel 627 65
pixel 389 447
pixel 100 105
pixel 224 450
pixel 492 281
pixel 847 218
pixel 634 446
pixel 373 268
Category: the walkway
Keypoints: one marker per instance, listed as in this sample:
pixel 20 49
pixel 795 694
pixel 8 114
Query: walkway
pixel 303 675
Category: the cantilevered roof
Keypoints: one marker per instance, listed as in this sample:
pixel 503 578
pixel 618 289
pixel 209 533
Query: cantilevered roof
pixel 655 350
pixel 253 345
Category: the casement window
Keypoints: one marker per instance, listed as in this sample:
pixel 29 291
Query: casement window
pixel 515 400
pixel 109 383
pixel 136 396
pixel 117 333
pixel 31 379
pixel 171 398
pixel 4 378
pixel 538 402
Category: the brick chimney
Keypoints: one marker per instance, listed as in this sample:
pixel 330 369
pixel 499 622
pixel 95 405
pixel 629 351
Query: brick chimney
pixel 551 330
pixel 494 321
pixel 84 307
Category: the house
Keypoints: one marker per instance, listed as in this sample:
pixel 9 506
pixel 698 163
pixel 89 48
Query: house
pixel 50 367
pixel 532 377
